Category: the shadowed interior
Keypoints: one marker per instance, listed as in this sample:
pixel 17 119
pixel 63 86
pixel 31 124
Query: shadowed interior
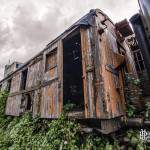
pixel 72 72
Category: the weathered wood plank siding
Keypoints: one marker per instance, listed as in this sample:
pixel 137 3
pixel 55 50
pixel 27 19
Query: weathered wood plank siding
pixel 103 91
pixel 129 59
pixel 112 80
pixel 88 74
pixel 13 105
pixel 60 77
pixel 15 83
pixel 35 72
pixel 49 101
pixel 53 72
pixel 37 96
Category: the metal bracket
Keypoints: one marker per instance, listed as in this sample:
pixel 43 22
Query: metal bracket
pixel 111 69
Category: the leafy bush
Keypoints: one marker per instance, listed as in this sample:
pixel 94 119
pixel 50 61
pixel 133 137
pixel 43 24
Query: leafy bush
pixel 27 133
pixel 135 142
pixel 3 96
pixel 147 112
pixel 133 95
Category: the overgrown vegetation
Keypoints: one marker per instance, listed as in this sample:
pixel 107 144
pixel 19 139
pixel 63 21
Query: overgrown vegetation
pixel 27 133
pixel 135 103
pixel 147 112
pixel 133 95
pixel 132 141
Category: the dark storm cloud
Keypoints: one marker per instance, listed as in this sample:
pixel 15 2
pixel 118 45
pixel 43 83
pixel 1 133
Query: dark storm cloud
pixel 32 33
pixel 29 25
pixel 28 34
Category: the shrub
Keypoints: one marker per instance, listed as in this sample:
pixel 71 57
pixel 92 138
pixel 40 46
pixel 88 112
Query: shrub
pixel 27 133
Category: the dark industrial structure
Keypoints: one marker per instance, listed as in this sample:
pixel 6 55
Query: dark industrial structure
pixel 141 26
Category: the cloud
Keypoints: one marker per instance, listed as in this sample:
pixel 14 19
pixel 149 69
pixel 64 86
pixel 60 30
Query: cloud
pixel 29 25
pixel 4 34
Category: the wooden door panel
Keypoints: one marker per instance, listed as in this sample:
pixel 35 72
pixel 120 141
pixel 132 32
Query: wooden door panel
pixel 13 105
pixel 112 77
pixel 88 74
pixel 52 90
pixel 102 77
pixel 49 102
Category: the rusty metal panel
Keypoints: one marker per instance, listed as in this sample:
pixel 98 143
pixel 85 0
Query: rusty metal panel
pixel 34 74
pixel 13 105
pixel 15 83
pixel 49 103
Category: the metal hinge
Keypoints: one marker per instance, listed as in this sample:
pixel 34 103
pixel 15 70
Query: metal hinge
pixel 111 69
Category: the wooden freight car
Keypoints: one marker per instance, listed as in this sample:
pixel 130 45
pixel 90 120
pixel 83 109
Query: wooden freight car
pixel 84 66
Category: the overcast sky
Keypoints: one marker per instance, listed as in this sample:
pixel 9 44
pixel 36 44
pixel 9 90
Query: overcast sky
pixel 26 26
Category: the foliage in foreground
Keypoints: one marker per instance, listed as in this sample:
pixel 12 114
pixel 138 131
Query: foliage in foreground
pixel 132 93
pixel 27 133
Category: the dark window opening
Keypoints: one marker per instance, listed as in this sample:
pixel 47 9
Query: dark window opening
pixel 72 73
pixel 121 50
pixel 9 85
pixel 29 102
pixel 51 60
pixel 133 43
pixel 24 79
pixel 139 61
pixel 17 65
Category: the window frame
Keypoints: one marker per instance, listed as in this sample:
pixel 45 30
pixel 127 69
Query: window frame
pixel 49 54
pixel 137 61
pixel 24 79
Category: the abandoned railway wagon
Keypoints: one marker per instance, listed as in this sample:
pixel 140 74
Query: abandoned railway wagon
pixel 84 66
